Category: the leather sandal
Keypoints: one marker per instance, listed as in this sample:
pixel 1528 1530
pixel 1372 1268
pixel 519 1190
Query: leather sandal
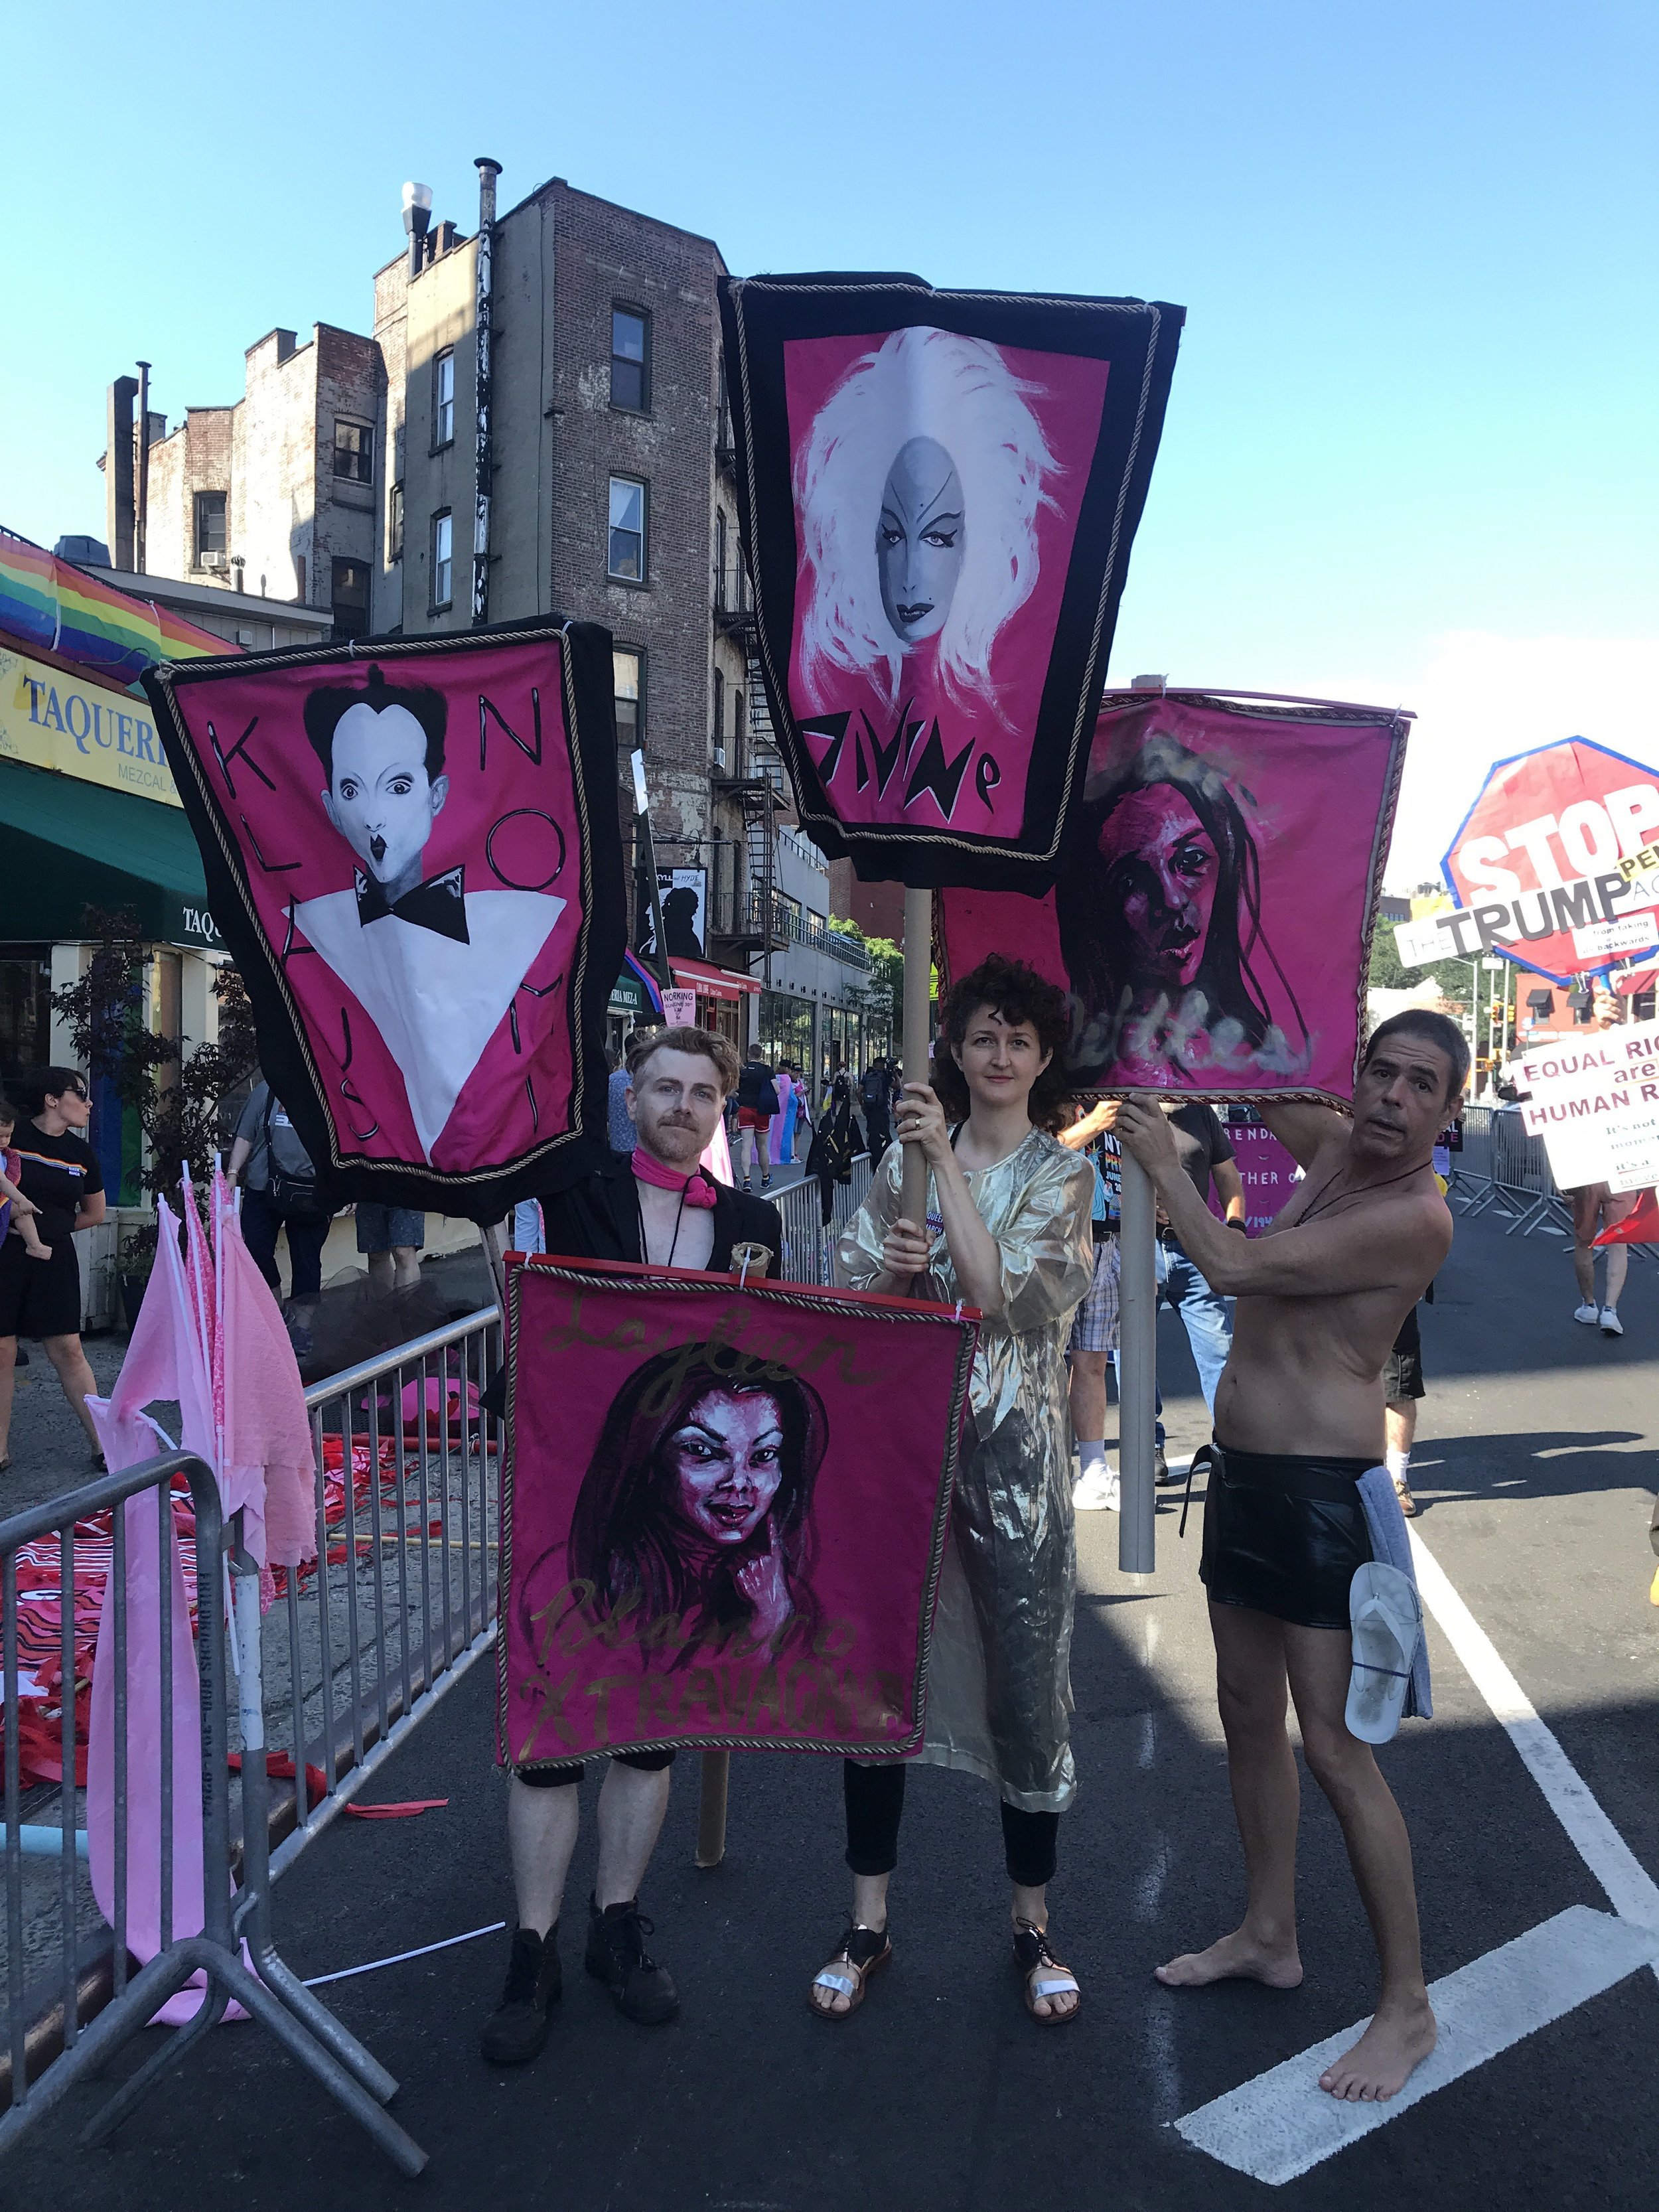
pixel 864 1951
pixel 1046 1977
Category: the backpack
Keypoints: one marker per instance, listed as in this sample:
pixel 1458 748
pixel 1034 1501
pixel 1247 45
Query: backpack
pixel 290 1177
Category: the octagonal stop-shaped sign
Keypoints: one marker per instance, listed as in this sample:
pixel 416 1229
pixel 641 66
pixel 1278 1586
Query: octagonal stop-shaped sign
pixel 1563 839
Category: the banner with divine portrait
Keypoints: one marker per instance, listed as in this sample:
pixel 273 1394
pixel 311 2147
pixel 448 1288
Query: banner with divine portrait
pixel 1211 923
pixel 413 852
pixel 724 1512
pixel 938 493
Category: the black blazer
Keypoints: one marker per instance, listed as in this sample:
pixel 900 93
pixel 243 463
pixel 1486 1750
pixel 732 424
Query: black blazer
pixel 598 1219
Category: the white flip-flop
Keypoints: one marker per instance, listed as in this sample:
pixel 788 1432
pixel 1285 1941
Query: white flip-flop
pixel 1387 1621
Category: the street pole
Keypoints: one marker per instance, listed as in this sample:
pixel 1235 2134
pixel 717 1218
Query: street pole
pixel 1137 1528
pixel 645 866
pixel 918 979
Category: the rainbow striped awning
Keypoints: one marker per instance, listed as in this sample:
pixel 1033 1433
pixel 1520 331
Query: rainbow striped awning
pixel 45 601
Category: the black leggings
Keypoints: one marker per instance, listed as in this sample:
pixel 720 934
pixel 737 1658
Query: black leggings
pixel 875 1805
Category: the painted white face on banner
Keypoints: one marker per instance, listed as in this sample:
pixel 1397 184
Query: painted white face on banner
pixel 380 797
pixel 920 539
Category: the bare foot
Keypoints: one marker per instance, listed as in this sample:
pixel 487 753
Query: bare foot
pixel 1240 1956
pixel 38 1251
pixel 1399 2037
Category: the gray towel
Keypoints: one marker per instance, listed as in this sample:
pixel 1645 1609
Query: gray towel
pixel 1391 1547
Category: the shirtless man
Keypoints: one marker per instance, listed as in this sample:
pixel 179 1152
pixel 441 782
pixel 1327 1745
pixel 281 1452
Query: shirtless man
pixel 1299 1418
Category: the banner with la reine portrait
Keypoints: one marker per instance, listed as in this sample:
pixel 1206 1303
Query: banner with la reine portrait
pixel 1211 923
pixel 938 492
pixel 412 848
pixel 724 1512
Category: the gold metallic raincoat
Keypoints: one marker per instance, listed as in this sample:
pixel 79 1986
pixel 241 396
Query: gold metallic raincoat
pixel 1000 1691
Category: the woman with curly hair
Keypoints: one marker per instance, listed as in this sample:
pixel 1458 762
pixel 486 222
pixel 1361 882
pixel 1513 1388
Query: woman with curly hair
pixel 1007 1229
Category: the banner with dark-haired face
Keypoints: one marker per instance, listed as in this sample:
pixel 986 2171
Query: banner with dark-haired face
pixel 939 491
pixel 1212 922
pixel 413 852
pixel 724 1512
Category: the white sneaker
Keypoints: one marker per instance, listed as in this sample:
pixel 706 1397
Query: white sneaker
pixel 1611 1324
pixel 1097 1491
pixel 1590 1313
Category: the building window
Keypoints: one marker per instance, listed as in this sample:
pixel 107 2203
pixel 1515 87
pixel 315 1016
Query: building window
pixel 628 682
pixel 443 560
pixel 443 399
pixel 209 526
pixel 394 524
pixel 627 554
pixel 630 359
pixel 737 718
pixel 720 559
pixel 349 597
pixel 354 452
pixel 299 579
pixel 719 710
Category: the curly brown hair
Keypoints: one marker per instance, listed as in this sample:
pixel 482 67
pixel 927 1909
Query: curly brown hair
pixel 1019 993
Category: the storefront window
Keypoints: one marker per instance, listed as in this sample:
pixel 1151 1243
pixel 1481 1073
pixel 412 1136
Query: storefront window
pixel 785 1028
pixel 25 1007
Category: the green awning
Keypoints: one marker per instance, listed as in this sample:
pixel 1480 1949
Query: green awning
pixel 66 845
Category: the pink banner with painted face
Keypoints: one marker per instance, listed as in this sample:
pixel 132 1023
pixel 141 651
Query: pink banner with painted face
pixel 1212 922
pixel 937 484
pixel 412 851
pixel 939 493
pixel 724 1511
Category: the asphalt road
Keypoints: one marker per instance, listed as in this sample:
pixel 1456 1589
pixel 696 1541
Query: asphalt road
pixel 1536 1472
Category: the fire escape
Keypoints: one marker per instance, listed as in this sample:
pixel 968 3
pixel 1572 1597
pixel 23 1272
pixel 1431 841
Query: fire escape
pixel 751 779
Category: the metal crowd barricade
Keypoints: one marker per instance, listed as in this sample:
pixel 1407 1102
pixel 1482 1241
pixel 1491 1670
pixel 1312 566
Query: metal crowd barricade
pixel 52 2044
pixel 808 1246
pixel 402 1600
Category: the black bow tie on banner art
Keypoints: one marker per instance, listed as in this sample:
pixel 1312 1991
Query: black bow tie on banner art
pixel 938 492
pixel 413 853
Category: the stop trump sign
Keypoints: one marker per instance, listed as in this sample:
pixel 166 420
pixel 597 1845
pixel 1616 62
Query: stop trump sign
pixel 1556 863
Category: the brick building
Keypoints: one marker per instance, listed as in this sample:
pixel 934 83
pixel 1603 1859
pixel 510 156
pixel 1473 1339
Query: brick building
pixel 274 496
pixel 347 476
pixel 612 499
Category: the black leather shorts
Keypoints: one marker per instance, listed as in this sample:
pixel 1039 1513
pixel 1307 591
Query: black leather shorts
pixel 1283 1535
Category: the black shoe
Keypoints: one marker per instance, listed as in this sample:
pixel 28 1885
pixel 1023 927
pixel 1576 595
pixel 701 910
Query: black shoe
pixel 517 2029
pixel 618 1957
pixel 1161 1474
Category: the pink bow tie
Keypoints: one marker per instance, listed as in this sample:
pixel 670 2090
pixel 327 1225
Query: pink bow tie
pixel 695 1189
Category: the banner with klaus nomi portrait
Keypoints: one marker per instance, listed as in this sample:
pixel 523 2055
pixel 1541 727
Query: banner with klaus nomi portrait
pixel 413 849
pixel 724 1512
pixel 938 492
pixel 1211 923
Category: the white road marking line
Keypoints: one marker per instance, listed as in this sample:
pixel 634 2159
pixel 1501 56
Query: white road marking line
pixel 374 1965
pixel 1630 1889
pixel 1282 2123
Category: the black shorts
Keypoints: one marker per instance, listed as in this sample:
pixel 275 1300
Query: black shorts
pixel 1402 1377
pixel 557 1778
pixel 1283 1535
pixel 39 1298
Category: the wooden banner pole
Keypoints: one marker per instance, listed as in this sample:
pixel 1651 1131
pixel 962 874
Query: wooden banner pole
pixel 916 1039
pixel 711 1807
pixel 1136 1530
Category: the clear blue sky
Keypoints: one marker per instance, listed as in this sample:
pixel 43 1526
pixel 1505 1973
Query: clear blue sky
pixel 1415 402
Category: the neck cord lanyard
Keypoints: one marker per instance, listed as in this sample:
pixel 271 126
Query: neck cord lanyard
pixel 674 1244
pixel 1363 1191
